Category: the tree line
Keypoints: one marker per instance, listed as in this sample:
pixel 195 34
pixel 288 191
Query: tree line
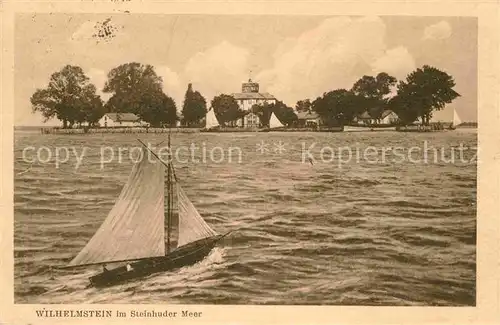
pixel 136 88
pixel 424 91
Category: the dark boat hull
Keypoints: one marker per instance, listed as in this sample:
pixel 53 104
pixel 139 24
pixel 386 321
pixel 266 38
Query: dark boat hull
pixel 183 256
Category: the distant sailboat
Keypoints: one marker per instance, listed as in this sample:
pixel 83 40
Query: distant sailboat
pixel 134 230
pixel 274 122
pixel 211 120
pixel 456 120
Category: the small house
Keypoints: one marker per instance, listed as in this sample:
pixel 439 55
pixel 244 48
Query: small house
pixel 110 120
pixel 365 118
pixel 387 117
pixel 308 119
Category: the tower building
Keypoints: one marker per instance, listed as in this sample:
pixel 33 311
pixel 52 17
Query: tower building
pixel 248 97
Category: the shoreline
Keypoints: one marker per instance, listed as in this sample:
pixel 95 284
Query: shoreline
pixel 136 130
pixel 132 130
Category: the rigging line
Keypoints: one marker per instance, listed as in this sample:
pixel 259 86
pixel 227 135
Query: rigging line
pixel 161 160
pixel 170 166
pixel 154 154
pixel 175 175
pixel 170 152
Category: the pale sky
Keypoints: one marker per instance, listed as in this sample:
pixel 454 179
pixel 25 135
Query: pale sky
pixel 292 57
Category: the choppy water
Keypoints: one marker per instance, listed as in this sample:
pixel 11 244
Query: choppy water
pixel 386 233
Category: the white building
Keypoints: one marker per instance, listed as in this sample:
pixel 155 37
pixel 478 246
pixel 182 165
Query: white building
pixel 248 97
pixel 387 117
pixel 110 120
pixel 308 119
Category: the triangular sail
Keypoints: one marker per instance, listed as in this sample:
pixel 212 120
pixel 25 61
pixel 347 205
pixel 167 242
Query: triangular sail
pixel 211 120
pixel 192 227
pixel 274 122
pixel 456 119
pixel 134 228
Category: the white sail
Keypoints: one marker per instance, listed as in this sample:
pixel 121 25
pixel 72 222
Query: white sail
pixel 134 228
pixel 211 119
pixel 192 227
pixel 456 119
pixel 274 122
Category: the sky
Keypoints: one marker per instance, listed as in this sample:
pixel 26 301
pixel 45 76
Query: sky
pixel 292 57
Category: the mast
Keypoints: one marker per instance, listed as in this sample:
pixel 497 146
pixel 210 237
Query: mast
pixel 169 193
pixel 192 226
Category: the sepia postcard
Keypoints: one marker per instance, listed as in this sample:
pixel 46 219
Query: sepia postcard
pixel 277 162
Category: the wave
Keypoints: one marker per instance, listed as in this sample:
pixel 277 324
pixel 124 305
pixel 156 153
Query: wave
pixel 357 235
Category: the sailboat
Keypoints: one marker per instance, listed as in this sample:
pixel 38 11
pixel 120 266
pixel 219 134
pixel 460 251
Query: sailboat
pixel 211 120
pixel 456 120
pixel 134 230
pixel 274 122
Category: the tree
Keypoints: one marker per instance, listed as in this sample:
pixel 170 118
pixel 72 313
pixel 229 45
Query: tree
pixel 128 83
pixel 284 113
pixel 67 95
pixel 384 84
pixel 303 105
pixel 424 91
pixel 226 109
pixel 194 108
pixel 263 111
pixel 92 110
pixel 157 109
pixel 43 102
pixel 338 107
pixel 406 112
pixel 118 104
pixel 374 91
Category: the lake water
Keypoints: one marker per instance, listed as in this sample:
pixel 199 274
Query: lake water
pixel 387 229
